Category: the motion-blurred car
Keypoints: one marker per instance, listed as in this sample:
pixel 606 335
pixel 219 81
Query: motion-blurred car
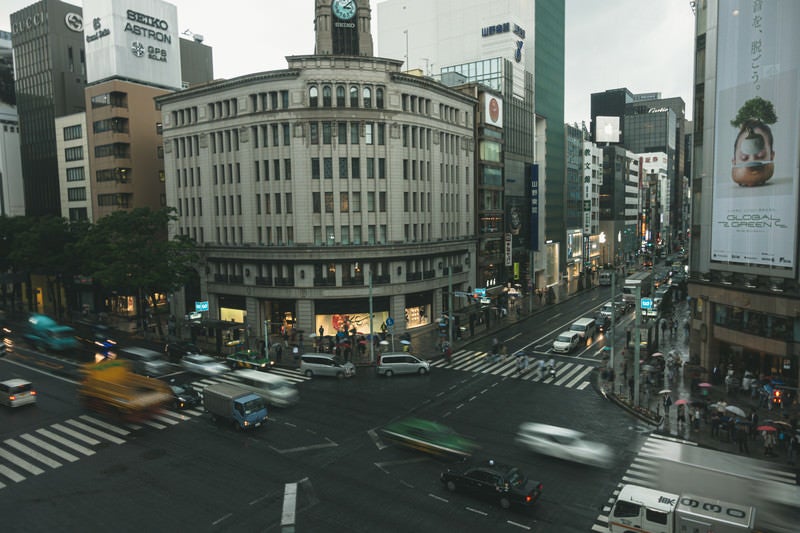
pixel 500 483
pixel 430 437
pixel 563 443
pixel 566 341
pixel 203 364
pixel 17 392
pixel 185 396
pixel 177 350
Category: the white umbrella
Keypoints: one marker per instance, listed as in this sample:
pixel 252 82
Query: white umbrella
pixel 405 342
pixel 385 343
pixel 738 411
pixel 312 335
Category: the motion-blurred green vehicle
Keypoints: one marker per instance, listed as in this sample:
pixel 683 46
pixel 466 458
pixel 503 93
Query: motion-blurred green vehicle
pixel 430 437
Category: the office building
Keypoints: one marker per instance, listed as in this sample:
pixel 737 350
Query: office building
pixel 50 75
pixel 743 267
pixel 327 191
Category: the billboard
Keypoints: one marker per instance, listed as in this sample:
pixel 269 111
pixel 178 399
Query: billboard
pixel 133 39
pixel 533 180
pixel 754 216
pixel 607 130
pixel 492 110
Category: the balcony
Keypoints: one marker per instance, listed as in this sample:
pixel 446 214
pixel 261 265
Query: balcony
pixel 429 274
pixel 413 276
pixel 353 282
pixel 284 282
pixel 264 282
pixel 236 279
pixel 324 282
pixel 381 280
pixel 220 278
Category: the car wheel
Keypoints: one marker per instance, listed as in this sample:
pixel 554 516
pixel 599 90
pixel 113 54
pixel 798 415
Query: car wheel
pixel 309 373
pixel 388 373
pixel 451 486
pixel 505 503
pixel 423 371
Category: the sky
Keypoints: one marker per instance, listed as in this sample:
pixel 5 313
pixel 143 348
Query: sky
pixel 644 45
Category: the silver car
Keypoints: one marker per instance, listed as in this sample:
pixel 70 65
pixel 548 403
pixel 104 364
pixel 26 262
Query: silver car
pixel 563 443
pixel 203 364
pixel 322 364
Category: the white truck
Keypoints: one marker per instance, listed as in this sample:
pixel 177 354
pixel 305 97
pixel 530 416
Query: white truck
pixel 229 402
pixel 643 510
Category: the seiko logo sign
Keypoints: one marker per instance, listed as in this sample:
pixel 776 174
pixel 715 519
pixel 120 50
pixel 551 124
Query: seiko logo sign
pixel 147 26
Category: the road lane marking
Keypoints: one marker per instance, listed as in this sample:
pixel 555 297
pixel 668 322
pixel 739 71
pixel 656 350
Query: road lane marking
pixel 20 462
pixel 68 443
pixel 10 474
pixel 32 453
pixel 289 505
pixel 435 497
pixel 50 448
pixel 376 439
pixel 96 432
pixel 75 434
pixel 105 425
pixel 329 444
pixel 225 517
pixel 476 511
pixel 517 524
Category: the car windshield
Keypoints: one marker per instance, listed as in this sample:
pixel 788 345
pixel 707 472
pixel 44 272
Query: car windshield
pixel 252 406
pixel 564 338
pixel 515 478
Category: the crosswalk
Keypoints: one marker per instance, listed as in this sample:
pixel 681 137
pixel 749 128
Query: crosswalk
pixel 38 451
pixel 568 374
pixel 645 471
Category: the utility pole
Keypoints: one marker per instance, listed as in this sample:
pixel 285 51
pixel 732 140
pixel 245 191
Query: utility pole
pixel 450 304
pixel 637 343
pixel 371 333
pixel 612 329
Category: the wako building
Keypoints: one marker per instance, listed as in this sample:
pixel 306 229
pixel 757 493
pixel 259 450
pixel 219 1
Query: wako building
pixel 325 190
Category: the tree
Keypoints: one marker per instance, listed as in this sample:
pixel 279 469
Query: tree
pixel 756 108
pixel 130 251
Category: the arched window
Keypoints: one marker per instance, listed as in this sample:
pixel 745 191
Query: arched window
pixel 379 98
pixel 340 96
pixel 312 96
pixel 353 96
pixel 367 97
pixel 326 96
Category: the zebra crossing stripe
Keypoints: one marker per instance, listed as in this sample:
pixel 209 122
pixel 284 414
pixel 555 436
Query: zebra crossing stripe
pixel 30 452
pixel 50 448
pixel 68 443
pixel 164 417
pixel 105 425
pixel 20 462
pixel 75 434
pixel 96 432
pixel 10 474
pixel 153 424
pixel 581 376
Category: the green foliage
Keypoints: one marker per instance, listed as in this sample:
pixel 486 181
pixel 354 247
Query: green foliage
pixel 756 108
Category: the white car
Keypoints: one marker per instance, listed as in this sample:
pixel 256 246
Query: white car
pixel 203 364
pixel 566 341
pixel 563 443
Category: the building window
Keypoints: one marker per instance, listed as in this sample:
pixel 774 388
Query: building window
pixel 327 168
pixel 284 99
pixel 314 132
pixel 315 168
pixel 344 202
pixel 355 202
pixel 354 133
pixel 76 194
pixel 353 96
pixel 73 154
pixel 316 202
pixel 340 96
pixel 367 97
pixel 73 132
pixel 343 167
pixel 370 168
pixel 355 170
pixel 286 134
pixel 371 202
pixel 329 202
pixel 381 134
pixel 287 201
pixel 382 168
pixel 368 132
pixel 75 174
pixel 379 98
pixel 326 132
pixel 326 96
pixel 342 127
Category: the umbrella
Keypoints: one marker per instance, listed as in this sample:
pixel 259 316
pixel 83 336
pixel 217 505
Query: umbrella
pixel 405 342
pixel 765 428
pixel 738 411
pixel 682 401
pixel 657 354
pixel 384 343
pixel 786 425
pixel 312 335
pixel 665 391
pixel 704 385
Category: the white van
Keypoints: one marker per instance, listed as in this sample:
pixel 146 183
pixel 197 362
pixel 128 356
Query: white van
pixel 585 327
pixel 17 392
pixel 566 341
pixel 275 390
pixel 605 277
pixel 323 364
pixel 402 363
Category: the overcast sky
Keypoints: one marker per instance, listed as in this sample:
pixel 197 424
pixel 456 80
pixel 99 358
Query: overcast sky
pixel 644 45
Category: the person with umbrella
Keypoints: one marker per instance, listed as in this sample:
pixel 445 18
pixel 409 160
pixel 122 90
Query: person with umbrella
pixel 741 436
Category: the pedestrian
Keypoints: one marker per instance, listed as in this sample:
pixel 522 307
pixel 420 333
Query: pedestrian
pixel 715 422
pixel 322 330
pixel 520 363
pixel 741 438
pixel 630 387
pixel 624 366
pixel 667 404
pixel 696 419
pixel 769 442
pixel 753 423
pixel 792 446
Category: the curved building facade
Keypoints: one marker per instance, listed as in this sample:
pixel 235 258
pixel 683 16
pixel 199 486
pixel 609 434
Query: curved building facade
pixel 322 192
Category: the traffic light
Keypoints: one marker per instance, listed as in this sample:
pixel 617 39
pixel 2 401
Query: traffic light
pixel 777 397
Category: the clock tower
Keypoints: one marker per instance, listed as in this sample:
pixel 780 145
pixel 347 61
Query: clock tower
pixel 342 28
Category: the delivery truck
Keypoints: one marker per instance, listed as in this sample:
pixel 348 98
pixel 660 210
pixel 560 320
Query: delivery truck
pixel 44 333
pixel 111 387
pixel 645 510
pixel 229 402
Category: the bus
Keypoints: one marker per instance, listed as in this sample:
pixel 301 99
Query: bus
pixel 643 279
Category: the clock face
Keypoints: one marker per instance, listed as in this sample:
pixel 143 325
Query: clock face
pixel 344 9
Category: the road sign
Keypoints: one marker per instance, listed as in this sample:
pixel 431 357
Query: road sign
pixel 480 292
pixel 647 303
pixel 201 306
pixel 389 321
pixel 461 294
pixel 486 300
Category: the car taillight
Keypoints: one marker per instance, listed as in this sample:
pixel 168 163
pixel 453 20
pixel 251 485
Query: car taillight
pixel 12 398
pixel 539 487
pixel 33 393
pixel 528 498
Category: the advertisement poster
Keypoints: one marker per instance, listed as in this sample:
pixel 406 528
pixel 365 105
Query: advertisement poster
pixel 754 220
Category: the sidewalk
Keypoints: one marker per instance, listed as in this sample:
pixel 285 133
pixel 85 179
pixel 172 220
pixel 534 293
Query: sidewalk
pixel 651 407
